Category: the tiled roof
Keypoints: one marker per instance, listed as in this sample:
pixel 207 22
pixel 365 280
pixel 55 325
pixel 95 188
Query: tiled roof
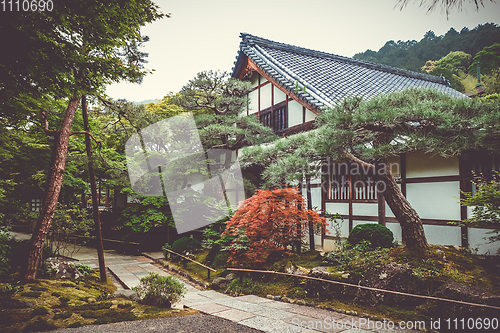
pixel 329 78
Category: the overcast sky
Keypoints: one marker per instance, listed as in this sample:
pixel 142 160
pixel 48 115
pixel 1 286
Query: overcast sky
pixel 204 35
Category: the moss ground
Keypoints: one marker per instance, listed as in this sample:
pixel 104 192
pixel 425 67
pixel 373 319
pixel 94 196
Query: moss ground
pixel 437 265
pixel 73 303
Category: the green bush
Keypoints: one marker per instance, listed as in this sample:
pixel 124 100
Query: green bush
pixel 160 290
pixel 376 234
pixel 185 244
pixel 5 249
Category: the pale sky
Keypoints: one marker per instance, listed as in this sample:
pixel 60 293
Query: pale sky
pixel 204 35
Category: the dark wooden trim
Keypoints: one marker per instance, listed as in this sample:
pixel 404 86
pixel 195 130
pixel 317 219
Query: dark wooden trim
pixel 435 179
pixel 299 128
pixel 466 186
pixel 402 161
pixel 258 102
pixel 259 85
pixel 391 219
pixel 303 115
pixel 381 208
pixel 351 220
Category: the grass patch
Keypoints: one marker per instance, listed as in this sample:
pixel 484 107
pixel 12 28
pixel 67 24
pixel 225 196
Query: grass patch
pixel 62 315
pixel 33 294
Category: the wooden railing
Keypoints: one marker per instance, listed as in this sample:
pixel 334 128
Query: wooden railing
pixel 200 264
pixel 363 287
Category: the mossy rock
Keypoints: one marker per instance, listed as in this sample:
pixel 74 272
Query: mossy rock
pixel 39 311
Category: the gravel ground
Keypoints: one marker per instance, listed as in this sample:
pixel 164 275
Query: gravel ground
pixel 201 323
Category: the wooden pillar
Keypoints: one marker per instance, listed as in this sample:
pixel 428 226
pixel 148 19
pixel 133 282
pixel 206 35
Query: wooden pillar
pixel 466 186
pixel 351 197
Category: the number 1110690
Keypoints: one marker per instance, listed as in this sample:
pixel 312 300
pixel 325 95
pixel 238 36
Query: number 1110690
pixel 27 5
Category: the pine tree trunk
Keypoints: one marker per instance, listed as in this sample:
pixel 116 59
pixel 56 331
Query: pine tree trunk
pixel 408 218
pixel 54 183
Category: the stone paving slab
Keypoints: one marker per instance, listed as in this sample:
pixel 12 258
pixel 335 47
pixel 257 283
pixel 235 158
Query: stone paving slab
pixel 210 308
pixel 235 315
pixel 270 325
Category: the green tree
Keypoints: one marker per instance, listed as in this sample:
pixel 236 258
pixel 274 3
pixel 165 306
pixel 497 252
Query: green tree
pixel 362 132
pixel 222 100
pixel 486 204
pixel 452 67
pixel 447 5
pixel 489 61
pixel 73 50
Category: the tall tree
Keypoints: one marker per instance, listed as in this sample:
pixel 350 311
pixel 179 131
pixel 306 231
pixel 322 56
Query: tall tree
pixel 362 132
pixel 75 49
pixel 446 5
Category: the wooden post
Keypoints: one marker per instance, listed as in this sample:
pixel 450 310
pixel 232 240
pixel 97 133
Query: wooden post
pixel 95 205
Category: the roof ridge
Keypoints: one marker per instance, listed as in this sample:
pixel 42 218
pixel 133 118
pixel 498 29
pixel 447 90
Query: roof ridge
pixel 255 40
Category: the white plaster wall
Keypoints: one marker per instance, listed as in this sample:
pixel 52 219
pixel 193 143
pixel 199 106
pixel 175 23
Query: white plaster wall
pixel 337 207
pixel 310 115
pixel 279 96
pixel 443 235
pixel 295 116
pixel 477 240
pixel 396 231
pixel 265 96
pixel 388 211
pixel 316 197
pixel 435 200
pixel 424 165
pixel 253 96
pixel 365 209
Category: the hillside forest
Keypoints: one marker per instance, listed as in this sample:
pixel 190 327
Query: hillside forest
pixel 453 55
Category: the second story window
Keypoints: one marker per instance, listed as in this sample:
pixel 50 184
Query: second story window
pixel 277 118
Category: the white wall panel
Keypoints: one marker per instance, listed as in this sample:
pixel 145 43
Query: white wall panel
pixel 279 96
pixel 477 240
pixel 310 115
pixel 365 209
pixel 265 96
pixel 295 115
pixel 253 96
pixel 435 200
pixel 337 207
pixel 425 165
pixel 396 231
pixel 442 235
pixel 316 197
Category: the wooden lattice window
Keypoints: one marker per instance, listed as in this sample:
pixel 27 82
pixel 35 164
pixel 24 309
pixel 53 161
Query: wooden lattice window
pixel 345 183
pixel 276 118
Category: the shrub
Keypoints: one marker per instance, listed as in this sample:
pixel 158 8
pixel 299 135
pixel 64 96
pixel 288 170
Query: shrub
pixel 376 234
pixel 5 237
pixel 7 291
pixel 160 290
pixel 270 221
pixel 185 244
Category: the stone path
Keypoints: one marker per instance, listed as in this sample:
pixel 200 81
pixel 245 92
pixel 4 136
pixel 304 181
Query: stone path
pixel 252 311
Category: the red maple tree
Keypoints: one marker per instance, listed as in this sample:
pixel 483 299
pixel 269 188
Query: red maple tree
pixel 269 221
